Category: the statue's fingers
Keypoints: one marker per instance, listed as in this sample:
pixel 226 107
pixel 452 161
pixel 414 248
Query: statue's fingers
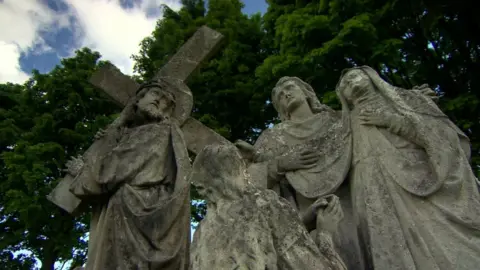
pixel 373 121
pixel 307 166
pixel 310 161
pixel 366 117
pixel 429 92
pixel 321 203
pixel 310 156
pixel 335 200
pixel 329 209
pixel 308 152
pixel 336 209
pixel 367 123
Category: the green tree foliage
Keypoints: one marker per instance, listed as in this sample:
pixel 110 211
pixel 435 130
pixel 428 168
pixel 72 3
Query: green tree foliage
pixel 42 123
pixel 227 98
pixel 54 116
pixel 408 42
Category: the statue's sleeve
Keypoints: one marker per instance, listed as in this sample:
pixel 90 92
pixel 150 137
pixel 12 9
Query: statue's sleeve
pixel 131 154
pixel 444 148
pixel 263 169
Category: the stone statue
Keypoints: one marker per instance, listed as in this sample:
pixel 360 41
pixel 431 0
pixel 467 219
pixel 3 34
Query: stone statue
pixel 250 228
pixel 139 188
pixel 414 194
pixel 305 157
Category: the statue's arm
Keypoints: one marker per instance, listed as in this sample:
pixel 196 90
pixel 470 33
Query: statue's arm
pixel 126 160
pixel 425 90
pixel 406 126
pixel 274 175
pixel 329 216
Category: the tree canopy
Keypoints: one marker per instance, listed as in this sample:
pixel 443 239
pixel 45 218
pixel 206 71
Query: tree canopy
pixel 43 122
pixel 54 116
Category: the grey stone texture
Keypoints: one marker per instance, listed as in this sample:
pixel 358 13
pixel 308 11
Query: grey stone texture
pixel 122 89
pixel 399 165
pixel 134 176
pixel 305 157
pixel 250 228
pixel 139 188
pixel 415 199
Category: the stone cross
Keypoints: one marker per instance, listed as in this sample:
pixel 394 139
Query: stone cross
pixel 202 45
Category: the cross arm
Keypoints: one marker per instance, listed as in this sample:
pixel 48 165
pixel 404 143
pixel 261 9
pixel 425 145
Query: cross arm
pixel 121 88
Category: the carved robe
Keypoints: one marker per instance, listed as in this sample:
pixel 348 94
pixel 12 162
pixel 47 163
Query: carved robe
pixel 260 231
pixel 328 133
pixel 144 222
pixel 414 194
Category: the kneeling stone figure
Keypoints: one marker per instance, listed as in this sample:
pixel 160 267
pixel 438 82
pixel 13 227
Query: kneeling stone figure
pixel 249 228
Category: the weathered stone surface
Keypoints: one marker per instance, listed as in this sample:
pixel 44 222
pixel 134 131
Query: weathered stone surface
pixel 249 228
pixel 414 193
pixel 138 188
pixel 197 136
pixel 202 45
pixel 305 157
pixel 117 85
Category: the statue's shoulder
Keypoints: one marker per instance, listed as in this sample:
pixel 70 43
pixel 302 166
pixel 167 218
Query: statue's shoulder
pixel 267 199
pixel 267 136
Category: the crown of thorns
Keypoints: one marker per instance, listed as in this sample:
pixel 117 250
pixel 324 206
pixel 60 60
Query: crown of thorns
pixel 162 84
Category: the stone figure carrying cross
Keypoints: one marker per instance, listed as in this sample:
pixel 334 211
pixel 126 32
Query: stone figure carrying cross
pixel 202 45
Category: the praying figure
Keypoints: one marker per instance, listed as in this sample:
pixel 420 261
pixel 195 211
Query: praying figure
pixel 414 194
pixel 250 228
pixel 139 189
pixel 306 157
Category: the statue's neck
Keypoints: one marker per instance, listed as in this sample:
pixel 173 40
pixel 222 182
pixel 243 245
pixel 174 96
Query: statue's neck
pixel 301 113
pixel 141 119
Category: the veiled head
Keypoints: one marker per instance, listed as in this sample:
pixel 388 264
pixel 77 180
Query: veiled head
pixel 353 83
pixel 219 172
pixel 290 92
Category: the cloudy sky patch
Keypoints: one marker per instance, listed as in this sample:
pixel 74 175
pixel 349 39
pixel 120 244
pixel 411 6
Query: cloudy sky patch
pixel 36 34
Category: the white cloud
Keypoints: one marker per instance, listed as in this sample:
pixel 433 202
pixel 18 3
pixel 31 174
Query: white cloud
pixel 113 31
pixel 102 25
pixel 9 66
pixel 20 23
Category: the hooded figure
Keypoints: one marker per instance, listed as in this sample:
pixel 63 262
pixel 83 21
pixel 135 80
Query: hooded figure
pixel 414 194
pixel 138 186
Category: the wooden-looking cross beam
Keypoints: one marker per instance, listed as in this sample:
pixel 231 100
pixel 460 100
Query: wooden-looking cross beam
pixel 202 45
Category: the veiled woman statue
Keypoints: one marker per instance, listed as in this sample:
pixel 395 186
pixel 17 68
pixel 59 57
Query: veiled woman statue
pixel 414 194
pixel 305 157
pixel 138 185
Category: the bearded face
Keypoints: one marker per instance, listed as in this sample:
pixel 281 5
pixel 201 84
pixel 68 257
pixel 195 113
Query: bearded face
pixel 156 104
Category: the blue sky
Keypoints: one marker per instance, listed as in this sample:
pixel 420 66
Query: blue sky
pixel 36 34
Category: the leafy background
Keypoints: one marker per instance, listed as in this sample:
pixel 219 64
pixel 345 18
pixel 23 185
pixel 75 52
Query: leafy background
pixel 54 116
